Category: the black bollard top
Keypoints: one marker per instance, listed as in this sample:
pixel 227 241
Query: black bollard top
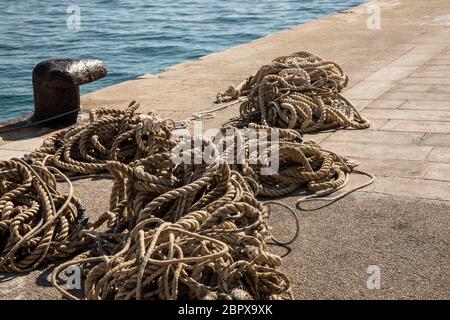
pixel 56 86
pixel 62 72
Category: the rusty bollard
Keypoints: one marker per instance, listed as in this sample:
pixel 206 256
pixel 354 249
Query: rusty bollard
pixel 56 87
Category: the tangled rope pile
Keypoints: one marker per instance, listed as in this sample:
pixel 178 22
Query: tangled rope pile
pixel 37 222
pixel 299 91
pixel 125 136
pixel 111 135
pixel 299 164
pixel 180 225
pixel 195 231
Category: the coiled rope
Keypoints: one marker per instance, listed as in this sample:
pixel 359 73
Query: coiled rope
pixel 300 91
pixel 37 222
pixel 195 232
pixel 111 135
pixel 300 164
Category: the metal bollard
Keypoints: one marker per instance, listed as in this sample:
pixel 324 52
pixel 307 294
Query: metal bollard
pixel 56 87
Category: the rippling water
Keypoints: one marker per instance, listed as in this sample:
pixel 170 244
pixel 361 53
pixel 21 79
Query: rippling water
pixel 132 37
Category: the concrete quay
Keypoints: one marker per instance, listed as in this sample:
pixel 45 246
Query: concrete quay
pixel 400 80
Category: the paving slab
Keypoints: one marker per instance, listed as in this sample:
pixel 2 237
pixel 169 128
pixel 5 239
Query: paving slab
pixel 444 55
pixel 436 140
pixel 391 73
pixel 425 105
pixel 431 74
pixel 317 137
pixel 422 115
pixel 22 145
pixel 438 171
pixel 25 134
pixel 368 90
pixel 434 68
pixel 433 45
pixel 417 169
pixel 378 151
pixel 439 154
pixel 376 137
pixel 412 59
pixel 439 62
pixel 398 95
pixel 385 104
pixel 440 80
pixel 413 87
pixel 416 126
pixel 440 88
pixel 410 187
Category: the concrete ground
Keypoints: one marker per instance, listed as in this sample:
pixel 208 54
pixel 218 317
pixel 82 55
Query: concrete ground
pixel 400 80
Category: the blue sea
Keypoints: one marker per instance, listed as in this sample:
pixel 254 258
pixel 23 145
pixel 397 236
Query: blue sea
pixel 133 37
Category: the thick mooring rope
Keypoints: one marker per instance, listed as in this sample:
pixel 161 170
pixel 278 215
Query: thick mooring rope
pixel 37 222
pixel 299 165
pixel 111 135
pixel 300 91
pixel 88 149
pixel 196 232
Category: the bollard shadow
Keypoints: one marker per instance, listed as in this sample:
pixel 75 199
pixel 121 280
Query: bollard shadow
pixel 23 128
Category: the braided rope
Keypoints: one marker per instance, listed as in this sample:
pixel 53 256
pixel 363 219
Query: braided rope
pixel 110 135
pixel 299 91
pixel 195 232
pixel 37 222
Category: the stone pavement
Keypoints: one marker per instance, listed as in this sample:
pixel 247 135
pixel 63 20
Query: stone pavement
pixel 400 80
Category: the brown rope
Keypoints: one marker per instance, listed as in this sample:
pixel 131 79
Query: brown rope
pixel 300 164
pixel 111 135
pixel 299 91
pixel 195 231
pixel 37 222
